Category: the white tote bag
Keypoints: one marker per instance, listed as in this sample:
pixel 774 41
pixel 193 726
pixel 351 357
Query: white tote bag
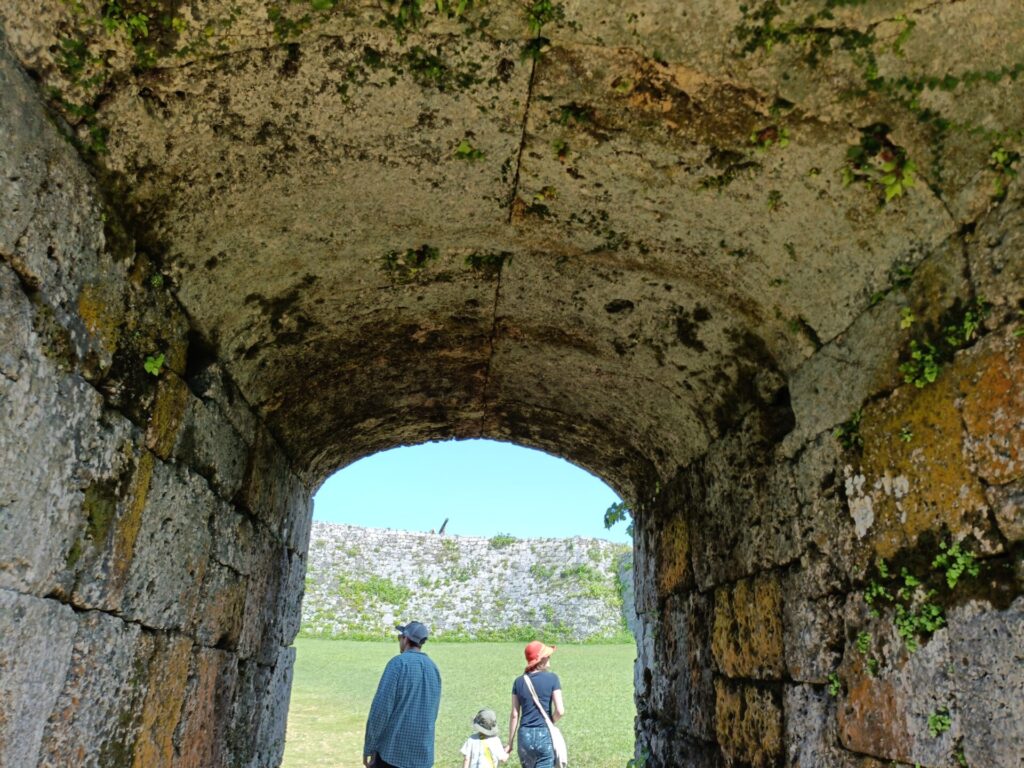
pixel 557 739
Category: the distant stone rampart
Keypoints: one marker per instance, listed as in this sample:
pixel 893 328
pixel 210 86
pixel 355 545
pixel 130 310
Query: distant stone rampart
pixel 361 581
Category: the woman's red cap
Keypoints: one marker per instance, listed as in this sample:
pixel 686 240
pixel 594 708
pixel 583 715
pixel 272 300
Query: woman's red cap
pixel 536 652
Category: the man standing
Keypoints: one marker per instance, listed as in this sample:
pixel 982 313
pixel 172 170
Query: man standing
pixel 400 729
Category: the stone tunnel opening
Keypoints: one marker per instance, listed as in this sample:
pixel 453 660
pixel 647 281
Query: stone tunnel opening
pixel 492 546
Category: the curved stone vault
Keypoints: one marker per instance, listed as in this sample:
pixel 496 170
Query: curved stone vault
pixel 701 249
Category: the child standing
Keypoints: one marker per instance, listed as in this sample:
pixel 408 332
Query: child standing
pixel 483 749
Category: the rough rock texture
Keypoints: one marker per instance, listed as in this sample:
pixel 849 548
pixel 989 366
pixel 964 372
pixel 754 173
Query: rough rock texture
pixel 362 581
pixel 246 243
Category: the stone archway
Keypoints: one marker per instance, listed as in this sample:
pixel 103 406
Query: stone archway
pixel 688 248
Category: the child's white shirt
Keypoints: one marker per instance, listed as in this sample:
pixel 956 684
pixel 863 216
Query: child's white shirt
pixel 477 747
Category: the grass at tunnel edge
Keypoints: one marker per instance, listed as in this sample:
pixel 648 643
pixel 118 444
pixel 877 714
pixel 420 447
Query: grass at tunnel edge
pixel 335 681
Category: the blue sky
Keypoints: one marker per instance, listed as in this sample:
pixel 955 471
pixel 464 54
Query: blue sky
pixel 483 487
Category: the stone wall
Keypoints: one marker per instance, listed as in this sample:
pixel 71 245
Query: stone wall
pixel 152 534
pixel 796 591
pixel 361 581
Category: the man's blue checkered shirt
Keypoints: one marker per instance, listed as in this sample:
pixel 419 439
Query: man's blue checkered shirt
pixel 401 724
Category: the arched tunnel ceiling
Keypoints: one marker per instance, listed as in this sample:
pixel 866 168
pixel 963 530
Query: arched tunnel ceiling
pixel 396 233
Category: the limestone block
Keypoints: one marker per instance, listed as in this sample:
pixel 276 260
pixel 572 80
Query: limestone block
pixel 212 385
pixel 171 551
pixel 747 638
pixel 987 651
pixel 261 635
pixel 260 711
pixel 36 636
pixel 748 723
pixel 199 738
pixel 813 630
pixel 270 491
pixel 885 712
pixel 221 607
pixel 289 606
pixel 51 232
pixel 209 444
pixel 56 443
pixel 831 549
pixel 161 710
pixel 990 378
pixel 810 733
pixel 742 513
pixel 97 718
pixel 673 555
pixel 1007 503
pixel 233 537
pixel 906 488
pixel 685 666
pixel 997 269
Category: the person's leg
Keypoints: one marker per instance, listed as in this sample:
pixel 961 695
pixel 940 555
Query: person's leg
pixel 379 763
pixel 535 749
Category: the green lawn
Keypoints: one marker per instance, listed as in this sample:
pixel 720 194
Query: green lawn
pixel 335 681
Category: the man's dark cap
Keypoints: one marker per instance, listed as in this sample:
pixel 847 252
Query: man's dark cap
pixel 413 631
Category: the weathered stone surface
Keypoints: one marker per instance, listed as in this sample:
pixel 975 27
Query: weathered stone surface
pixel 67 451
pixel 270 491
pixel 904 488
pixel 200 737
pixel 748 723
pixel 221 607
pixel 172 550
pixel 991 376
pixel 854 366
pixel 811 740
pixel 886 713
pixel 262 626
pixel 35 649
pixel 813 630
pixel 994 255
pixel 259 713
pixel 1007 503
pixel 168 674
pixel 742 514
pixel 748 631
pixel 97 717
pixel 987 652
pixel 209 444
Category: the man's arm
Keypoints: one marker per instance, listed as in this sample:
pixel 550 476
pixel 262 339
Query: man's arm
pixel 380 711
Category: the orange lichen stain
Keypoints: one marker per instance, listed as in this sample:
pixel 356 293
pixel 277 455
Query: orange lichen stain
pixel 162 709
pixel 746 638
pixel 101 314
pixel 992 387
pixel 871 720
pixel 127 528
pixel 748 724
pixel 168 412
pixel 673 556
pixel 913 467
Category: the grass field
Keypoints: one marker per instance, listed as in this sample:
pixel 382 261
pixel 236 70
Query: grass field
pixel 335 681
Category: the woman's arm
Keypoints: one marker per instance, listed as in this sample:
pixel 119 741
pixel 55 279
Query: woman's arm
pixel 513 723
pixel 557 705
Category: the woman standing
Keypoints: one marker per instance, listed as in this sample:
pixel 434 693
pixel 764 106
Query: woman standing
pixel 535 747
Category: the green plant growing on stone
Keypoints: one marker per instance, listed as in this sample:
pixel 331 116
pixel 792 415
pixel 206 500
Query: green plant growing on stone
pixel 466 151
pixel 965 330
pixel 864 643
pixel 1002 161
pixel 906 434
pixel 154 364
pixel 955 561
pixel 502 540
pixel 542 12
pixel 835 685
pixel 939 722
pixel 848 433
pixel 923 366
pixel 157 281
pixel 770 136
pixel 879 163
pixel 408 264
pixel 907 318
